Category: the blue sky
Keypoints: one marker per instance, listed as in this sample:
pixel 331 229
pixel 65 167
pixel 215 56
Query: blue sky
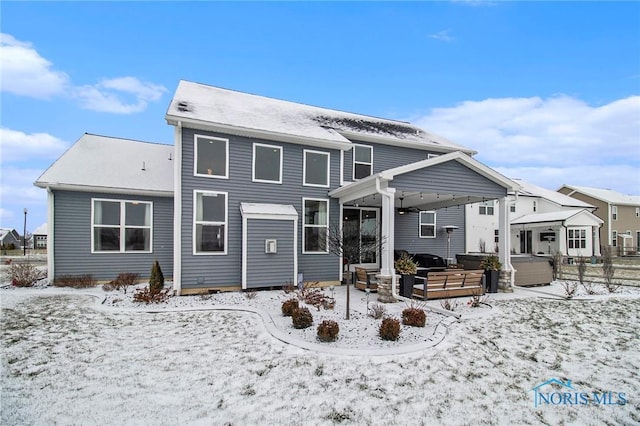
pixel 548 92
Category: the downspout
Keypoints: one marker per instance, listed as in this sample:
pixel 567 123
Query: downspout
pixel 51 269
pixel 177 210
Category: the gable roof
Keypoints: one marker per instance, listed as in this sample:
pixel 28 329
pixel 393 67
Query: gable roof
pixel 112 165
pixel 4 232
pixel 606 195
pixel 530 190
pixel 40 230
pixel 217 109
pixel 558 216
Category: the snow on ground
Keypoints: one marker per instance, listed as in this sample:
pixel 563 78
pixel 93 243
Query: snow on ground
pixel 69 358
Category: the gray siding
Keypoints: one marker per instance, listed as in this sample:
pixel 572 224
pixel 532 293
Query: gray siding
pixel 273 269
pixel 225 270
pixel 449 178
pixel 407 234
pixel 72 238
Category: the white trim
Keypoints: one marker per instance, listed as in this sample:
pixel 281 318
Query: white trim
pixel 225 223
pixel 253 165
pixel 326 200
pixel 341 168
pixel 435 228
pixel 304 168
pixel 50 232
pixel 378 231
pixel 195 157
pixel 614 212
pixel 104 189
pixel 354 161
pixel 122 227
pixel 177 210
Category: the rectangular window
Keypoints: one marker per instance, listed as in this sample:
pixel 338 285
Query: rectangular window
pixel 486 208
pixel 267 163
pixel 316 225
pixel 362 161
pixel 210 222
pixel 614 238
pixel 577 238
pixel 427 224
pixel 316 168
pixel 211 157
pixel 637 211
pixel 121 226
pixel 614 212
pixel 512 208
pixel 496 236
pixel 535 206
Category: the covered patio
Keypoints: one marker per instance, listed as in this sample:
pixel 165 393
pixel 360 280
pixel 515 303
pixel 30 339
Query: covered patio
pixel 443 182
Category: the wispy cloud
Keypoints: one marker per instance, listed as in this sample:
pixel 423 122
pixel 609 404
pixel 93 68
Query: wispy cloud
pixel 442 36
pixel 549 141
pixel 18 146
pixel 25 72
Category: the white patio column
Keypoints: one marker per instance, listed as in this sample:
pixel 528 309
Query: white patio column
pixel 504 245
pixel 595 241
pixel 386 251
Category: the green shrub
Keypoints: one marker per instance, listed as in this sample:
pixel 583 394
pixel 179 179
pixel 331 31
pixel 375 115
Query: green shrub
pixel 75 281
pixel 302 318
pixel 288 306
pixel 414 317
pixel 389 329
pixel 156 281
pixel 328 331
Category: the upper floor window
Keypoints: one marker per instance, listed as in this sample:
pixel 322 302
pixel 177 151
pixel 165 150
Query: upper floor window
pixel 211 157
pixel 121 226
pixel 362 161
pixel 210 222
pixel 637 211
pixel 512 208
pixel 427 223
pixel 614 212
pixel 316 225
pixel 486 208
pixel 267 163
pixel 496 235
pixel 535 206
pixel 316 168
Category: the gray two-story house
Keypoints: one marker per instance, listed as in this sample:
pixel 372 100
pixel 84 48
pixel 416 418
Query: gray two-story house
pixel 257 183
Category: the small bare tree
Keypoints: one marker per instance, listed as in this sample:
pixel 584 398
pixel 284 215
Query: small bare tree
pixel 351 243
pixel 608 271
pixel 556 263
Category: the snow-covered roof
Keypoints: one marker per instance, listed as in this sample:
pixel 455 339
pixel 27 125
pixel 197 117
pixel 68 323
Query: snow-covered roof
pixel 6 231
pixel 557 216
pixel 606 195
pixel 264 209
pixel 113 165
pixel 531 190
pixel 231 111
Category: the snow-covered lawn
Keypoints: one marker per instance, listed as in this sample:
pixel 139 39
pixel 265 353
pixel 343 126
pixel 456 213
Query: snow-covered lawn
pixel 68 358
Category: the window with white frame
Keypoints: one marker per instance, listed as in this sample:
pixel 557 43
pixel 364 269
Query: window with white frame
pixel 496 235
pixel 614 212
pixel 362 161
pixel 637 211
pixel 614 238
pixel 210 222
pixel 427 223
pixel 486 208
pixel 267 163
pixel 316 168
pixel 316 225
pixel 535 206
pixel 211 157
pixel 121 226
pixel 512 208
pixel 577 238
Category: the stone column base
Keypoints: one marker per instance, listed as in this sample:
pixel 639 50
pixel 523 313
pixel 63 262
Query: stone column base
pixel 384 289
pixel 504 282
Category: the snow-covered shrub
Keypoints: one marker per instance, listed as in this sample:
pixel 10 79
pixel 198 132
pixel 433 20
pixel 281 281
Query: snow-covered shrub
pixel 145 295
pixel 448 304
pixel 377 310
pixel 75 281
pixel 250 294
pixel 25 274
pixel 302 318
pixel 122 281
pixel 288 306
pixel 570 288
pixel 389 329
pixel 414 317
pixel 328 331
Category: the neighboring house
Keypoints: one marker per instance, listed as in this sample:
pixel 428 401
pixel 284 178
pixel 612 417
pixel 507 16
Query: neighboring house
pixel 256 184
pixel 10 236
pixel 39 237
pixel 620 213
pixel 542 222
pixel 110 208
